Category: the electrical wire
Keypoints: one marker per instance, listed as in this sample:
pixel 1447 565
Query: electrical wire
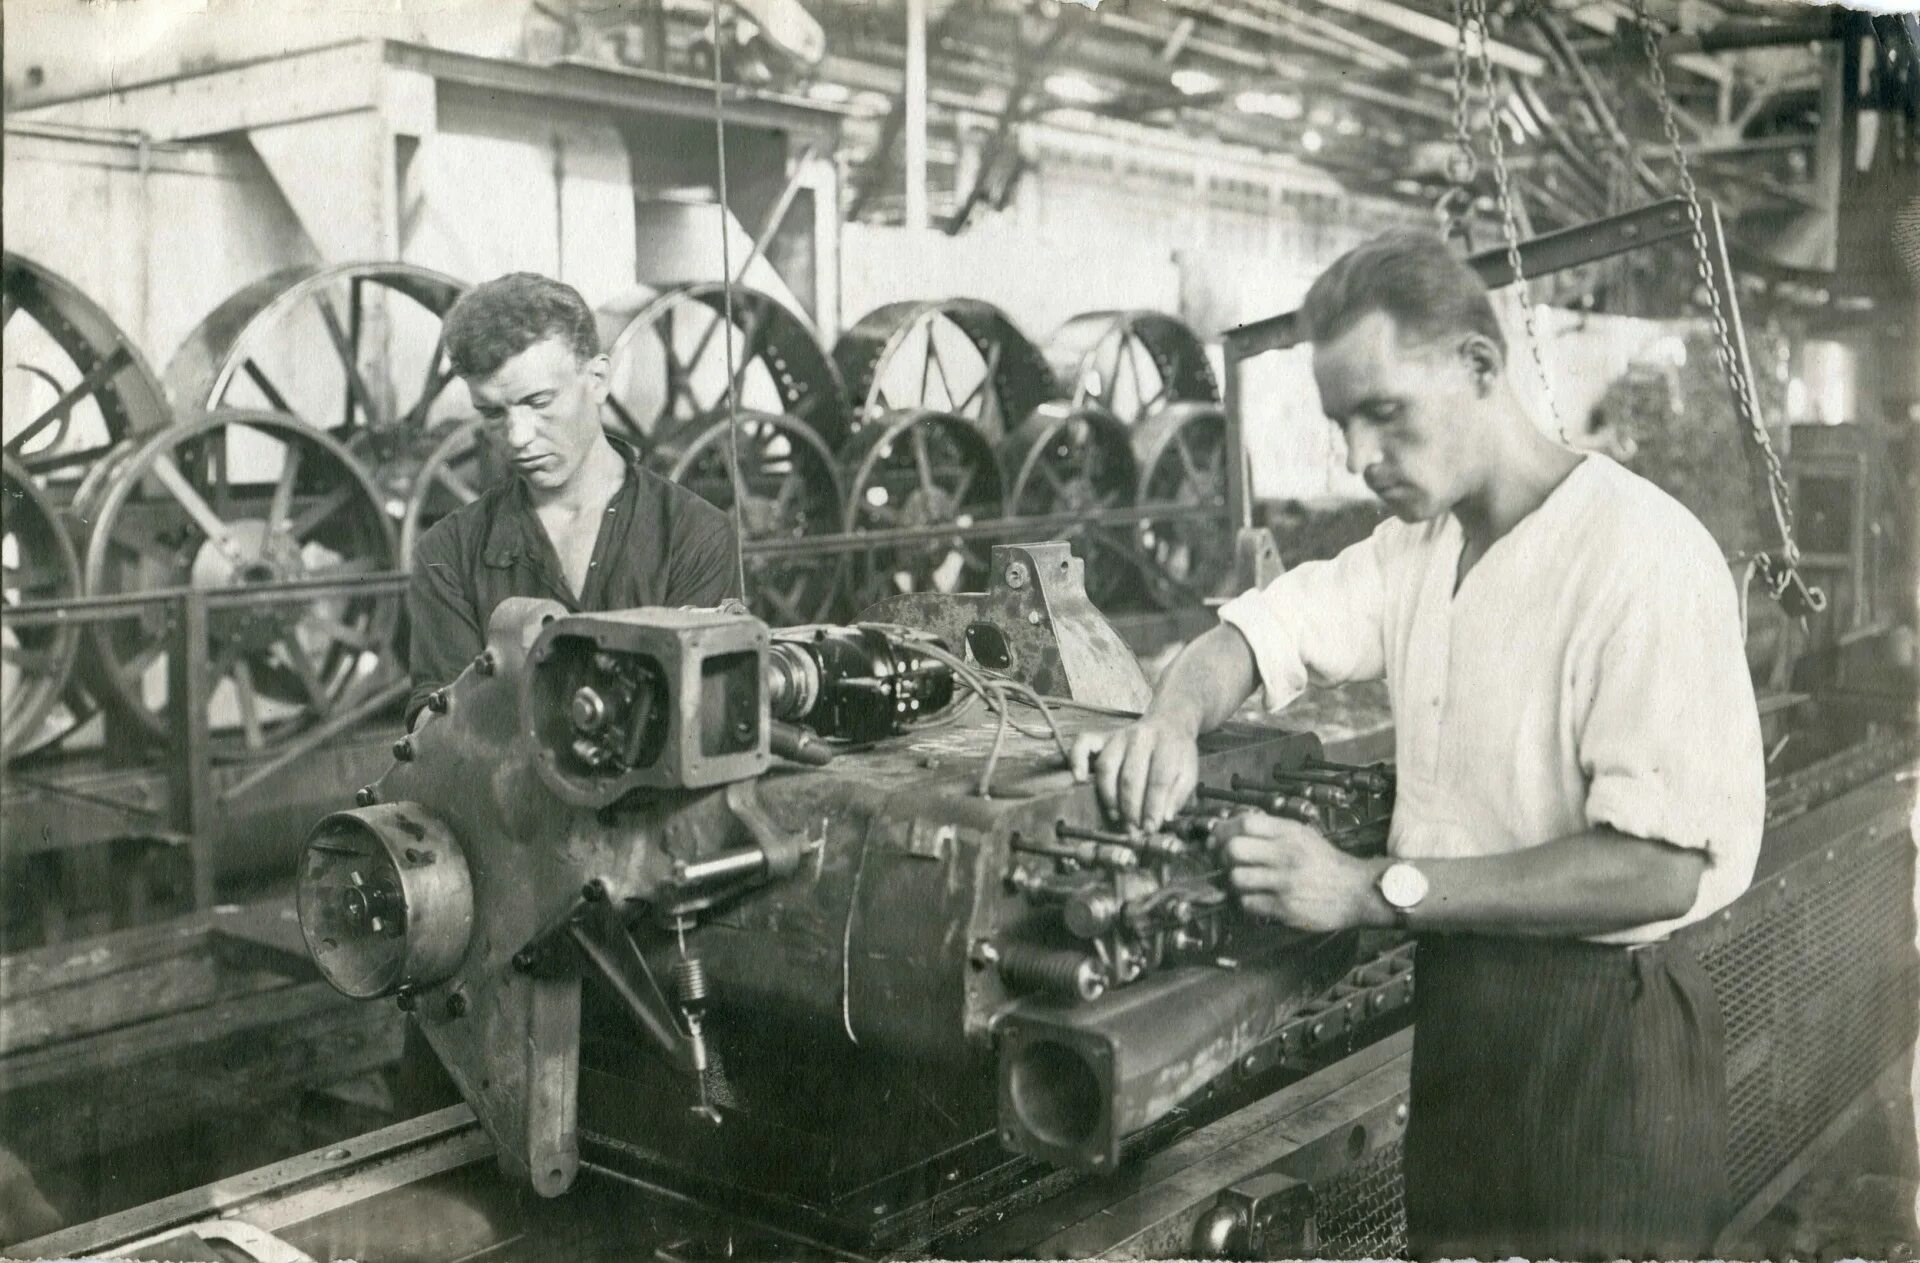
pixel 726 291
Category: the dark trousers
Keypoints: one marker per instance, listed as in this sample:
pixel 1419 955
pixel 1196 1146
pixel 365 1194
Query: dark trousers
pixel 1568 1101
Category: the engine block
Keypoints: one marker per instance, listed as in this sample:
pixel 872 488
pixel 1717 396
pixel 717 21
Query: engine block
pixel 796 910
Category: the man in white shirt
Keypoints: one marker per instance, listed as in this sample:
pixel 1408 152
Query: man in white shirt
pixel 1579 773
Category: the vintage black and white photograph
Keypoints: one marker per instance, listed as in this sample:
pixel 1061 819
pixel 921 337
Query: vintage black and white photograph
pixel 875 630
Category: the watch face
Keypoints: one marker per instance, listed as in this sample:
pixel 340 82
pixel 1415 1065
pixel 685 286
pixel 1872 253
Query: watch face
pixel 1403 885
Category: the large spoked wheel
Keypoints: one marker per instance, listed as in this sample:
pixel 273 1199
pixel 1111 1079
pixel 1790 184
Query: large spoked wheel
pixel 1078 460
pixel 74 384
pixel 1182 453
pixel 921 469
pixel 1132 363
pixel 670 363
pixel 792 490
pixel 240 500
pixel 961 357
pixel 39 564
pixel 464 462
pixel 347 348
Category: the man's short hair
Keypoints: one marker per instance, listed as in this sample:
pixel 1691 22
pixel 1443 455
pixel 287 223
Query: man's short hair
pixel 1409 275
pixel 496 320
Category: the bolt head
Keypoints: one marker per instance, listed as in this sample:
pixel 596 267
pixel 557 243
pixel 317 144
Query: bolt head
pixel 437 701
pixel 366 796
pixel 1033 616
pixel 457 1004
pixel 403 750
pixel 594 891
pixel 406 1001
pixel 485 663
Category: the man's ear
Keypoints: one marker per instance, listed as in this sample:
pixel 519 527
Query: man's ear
pixel 599 373
pixel 1483 360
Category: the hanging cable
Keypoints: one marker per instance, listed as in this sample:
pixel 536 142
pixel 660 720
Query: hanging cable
pixel 726 291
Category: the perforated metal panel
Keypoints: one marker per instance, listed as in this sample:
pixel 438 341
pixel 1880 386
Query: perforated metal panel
pixel 1819 994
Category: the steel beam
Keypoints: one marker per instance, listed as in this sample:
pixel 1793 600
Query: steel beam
pixel 1435 31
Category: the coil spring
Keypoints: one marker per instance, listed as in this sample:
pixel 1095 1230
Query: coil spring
pixel 690 982
pixel 1066 973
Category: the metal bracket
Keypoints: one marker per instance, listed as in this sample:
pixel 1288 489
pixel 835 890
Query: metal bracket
pixel 604 940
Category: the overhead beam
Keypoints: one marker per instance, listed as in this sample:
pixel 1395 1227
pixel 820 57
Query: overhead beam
pixel 1435 31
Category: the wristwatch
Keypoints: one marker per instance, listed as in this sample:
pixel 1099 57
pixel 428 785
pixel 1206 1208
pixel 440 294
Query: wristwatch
pixel 1403 887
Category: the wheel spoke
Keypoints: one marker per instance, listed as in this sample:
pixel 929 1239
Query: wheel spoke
pixel 198 509
pixel 64 406
pixel 922 461
pixel 258 377
pixel 303 670
pixel 282 502
pixel 940 363
pixel 319 511
pixel 357 391
pixel 31 661
pixel 461 488
pixel 352 353
pixel 248 697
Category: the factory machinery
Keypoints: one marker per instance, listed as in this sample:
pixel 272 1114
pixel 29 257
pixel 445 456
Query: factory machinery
pixel 310 429
pixel 763 935
pixel 804 941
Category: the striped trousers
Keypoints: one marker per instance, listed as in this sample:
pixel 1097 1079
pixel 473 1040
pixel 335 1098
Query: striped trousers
pixel 1568 1101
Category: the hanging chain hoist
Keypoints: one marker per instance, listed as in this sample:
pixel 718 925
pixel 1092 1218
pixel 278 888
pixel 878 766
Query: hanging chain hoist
pixel 1455 207
pixel 1468 15
pixel 1780 573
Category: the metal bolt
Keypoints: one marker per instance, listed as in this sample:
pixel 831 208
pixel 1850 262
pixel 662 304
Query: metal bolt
pixel 403 750
pixel 457 1004
pixel 1016 575
pixel 1400 1112
pixel 366 796
pixel 1249 1064
pixel 984 953
pixel 417 856
pixel 1033 616
pixel 523 960
pixel 437 701
pixel 406 1001
pixel 594 891
pixel 485 663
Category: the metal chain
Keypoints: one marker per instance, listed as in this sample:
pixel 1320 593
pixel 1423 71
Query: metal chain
pixel 1456 204
pixel 1477 10
pixel 1779 576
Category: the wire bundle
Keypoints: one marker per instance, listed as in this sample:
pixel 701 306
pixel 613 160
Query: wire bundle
pixel 996 691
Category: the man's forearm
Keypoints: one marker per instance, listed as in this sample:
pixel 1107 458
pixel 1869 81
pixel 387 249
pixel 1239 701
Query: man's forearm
pixel 1207 682
pixel 1593 882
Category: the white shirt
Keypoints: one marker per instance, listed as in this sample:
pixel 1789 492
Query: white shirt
pixel 1589 671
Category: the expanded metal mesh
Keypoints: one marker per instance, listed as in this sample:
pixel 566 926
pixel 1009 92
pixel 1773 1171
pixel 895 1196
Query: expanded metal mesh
pixel 1819 994
pixel 1360 1212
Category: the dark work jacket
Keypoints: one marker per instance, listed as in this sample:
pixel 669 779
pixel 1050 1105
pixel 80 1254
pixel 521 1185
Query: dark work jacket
pixel 659 545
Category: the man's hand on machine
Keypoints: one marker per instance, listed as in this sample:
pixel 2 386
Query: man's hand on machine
pixel 1144 772
pixel 1286 871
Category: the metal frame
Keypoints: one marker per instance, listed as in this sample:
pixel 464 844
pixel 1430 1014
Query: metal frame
pixel 196 793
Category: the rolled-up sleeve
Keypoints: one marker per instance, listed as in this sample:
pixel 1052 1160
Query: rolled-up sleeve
pixel 1670 743
pixel 444 632
pixel 1323 622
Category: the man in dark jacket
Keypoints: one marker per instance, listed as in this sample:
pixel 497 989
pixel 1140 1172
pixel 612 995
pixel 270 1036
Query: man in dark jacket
pixel 581 521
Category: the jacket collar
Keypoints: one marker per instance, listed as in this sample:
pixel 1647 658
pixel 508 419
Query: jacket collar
pixel 511 513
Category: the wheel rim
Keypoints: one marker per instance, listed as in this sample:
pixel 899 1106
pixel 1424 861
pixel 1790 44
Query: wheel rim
pixel 1182 451
pixel 230 500
pixel 464 462
pixel 921 469
pixel 1131 363
pixel 1075 460
pixel 960 357
pixel 670 364
pixel 793 490
pixel 344 348
pixel 38 564
pixel 75 384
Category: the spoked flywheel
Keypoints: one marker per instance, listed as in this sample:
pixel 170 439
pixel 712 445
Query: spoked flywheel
pixel 1075 460
pixel 1182 453
pixel 1132 363
pixel 792 490
pixel 38 563
pixel 961 357
pixel 920 469
pixel 670 362
pixel 240 500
